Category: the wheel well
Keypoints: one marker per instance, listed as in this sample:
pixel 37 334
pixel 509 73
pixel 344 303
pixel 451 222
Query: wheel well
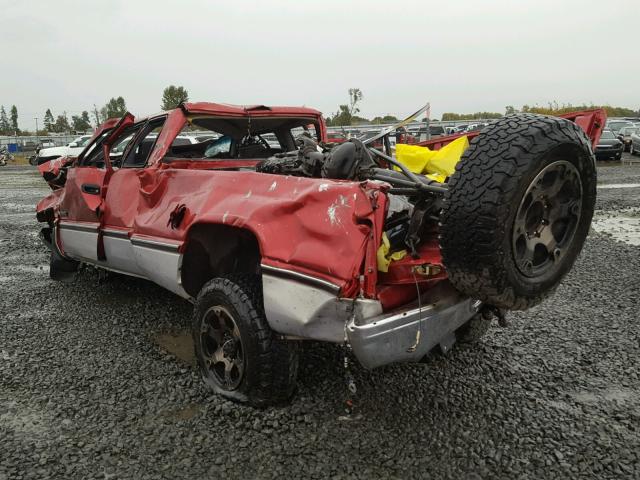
pixel 215 251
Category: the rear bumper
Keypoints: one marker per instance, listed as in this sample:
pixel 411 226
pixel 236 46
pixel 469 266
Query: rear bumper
pixel 301 307
pixel 392 337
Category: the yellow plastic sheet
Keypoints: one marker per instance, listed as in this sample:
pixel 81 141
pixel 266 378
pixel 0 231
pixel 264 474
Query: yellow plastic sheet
pixel 435 164
pixel 383 256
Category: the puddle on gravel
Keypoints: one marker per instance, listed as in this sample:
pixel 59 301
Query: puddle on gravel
pixel 186 413
pixel 180 345
pixel 622 225
pixel 613 395
pixel 32 268
pixel 619 185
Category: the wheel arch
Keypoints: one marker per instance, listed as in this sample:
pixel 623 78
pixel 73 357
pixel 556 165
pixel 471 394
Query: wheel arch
pixel 216 250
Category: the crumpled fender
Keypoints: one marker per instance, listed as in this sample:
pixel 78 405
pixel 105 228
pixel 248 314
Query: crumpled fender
pixel 315 226
pixel 48 206
pixel 52 171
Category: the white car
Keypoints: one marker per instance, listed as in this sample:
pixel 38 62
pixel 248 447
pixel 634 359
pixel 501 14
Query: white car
pixel 71 149
pixel 616 125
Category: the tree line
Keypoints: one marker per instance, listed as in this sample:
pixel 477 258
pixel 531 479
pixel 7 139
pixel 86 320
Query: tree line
pixel 9 124
pixel 553 108
pixel 116 107
pixel 347 113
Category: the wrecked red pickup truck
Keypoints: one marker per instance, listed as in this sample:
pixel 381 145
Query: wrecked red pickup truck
pixel 277 242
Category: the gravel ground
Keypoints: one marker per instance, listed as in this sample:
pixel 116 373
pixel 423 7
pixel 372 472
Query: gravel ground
pixel 97 381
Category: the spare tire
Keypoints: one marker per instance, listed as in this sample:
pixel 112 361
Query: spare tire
pixel 518 209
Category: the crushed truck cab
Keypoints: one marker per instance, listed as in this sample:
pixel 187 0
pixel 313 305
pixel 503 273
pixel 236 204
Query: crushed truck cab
pixel 277 235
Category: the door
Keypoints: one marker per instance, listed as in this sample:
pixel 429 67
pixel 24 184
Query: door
pixel 81 205
pixel 123 195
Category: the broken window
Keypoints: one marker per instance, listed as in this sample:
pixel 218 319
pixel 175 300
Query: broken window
pixel 308 130
pixel 90 156
pixel 95 156
pixel 213 137
pixel 138 154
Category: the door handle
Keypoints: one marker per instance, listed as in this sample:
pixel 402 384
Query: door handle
pixel 91 188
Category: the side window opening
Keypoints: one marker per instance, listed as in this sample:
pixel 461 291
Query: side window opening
pixel 138 154
pixel 309 130
pixel 120 145
pixel 221 138
pixel 219 148
pixel 93 156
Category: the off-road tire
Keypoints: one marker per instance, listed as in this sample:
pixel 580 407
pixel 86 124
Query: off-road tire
pixel 270 363
pixel 484 195
pixel 61 268
pixel 475 328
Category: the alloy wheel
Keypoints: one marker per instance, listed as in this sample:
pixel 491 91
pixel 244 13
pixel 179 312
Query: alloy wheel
pixel 547 219
pixel 222 347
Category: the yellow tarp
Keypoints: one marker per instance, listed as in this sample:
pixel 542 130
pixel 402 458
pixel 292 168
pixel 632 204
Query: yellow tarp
pixel 435 164
pixel 384 258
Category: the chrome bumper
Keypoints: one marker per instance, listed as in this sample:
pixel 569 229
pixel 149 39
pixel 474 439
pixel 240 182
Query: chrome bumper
pixel 302 307
pixel 392 337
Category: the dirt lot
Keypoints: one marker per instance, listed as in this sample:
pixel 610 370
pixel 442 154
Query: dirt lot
pixel 96 379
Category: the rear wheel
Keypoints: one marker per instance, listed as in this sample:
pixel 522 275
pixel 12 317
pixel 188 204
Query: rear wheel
pixel 518 210
pixel 239 356
pixel 61 268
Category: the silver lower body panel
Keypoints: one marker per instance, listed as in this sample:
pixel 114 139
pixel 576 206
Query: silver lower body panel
pixel 296 309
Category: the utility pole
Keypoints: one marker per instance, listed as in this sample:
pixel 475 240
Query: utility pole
pixel 95 113
pixel 37 136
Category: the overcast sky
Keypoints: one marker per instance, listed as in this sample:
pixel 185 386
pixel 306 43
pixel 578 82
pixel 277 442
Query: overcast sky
pixel 461 55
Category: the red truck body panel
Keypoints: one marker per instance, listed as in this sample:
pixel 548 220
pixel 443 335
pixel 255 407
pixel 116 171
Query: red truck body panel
pixel 314 226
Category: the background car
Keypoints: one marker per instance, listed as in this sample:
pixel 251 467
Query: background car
pixel 45 143
pixel 624 135
pixel 186 140
pixel 205 137
pixel 609 146
pixel 474 127
pixel 452 130
pixel 436 131
pixel 71 149
pixel 634 145
pixel 616 125
pixel 336 137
